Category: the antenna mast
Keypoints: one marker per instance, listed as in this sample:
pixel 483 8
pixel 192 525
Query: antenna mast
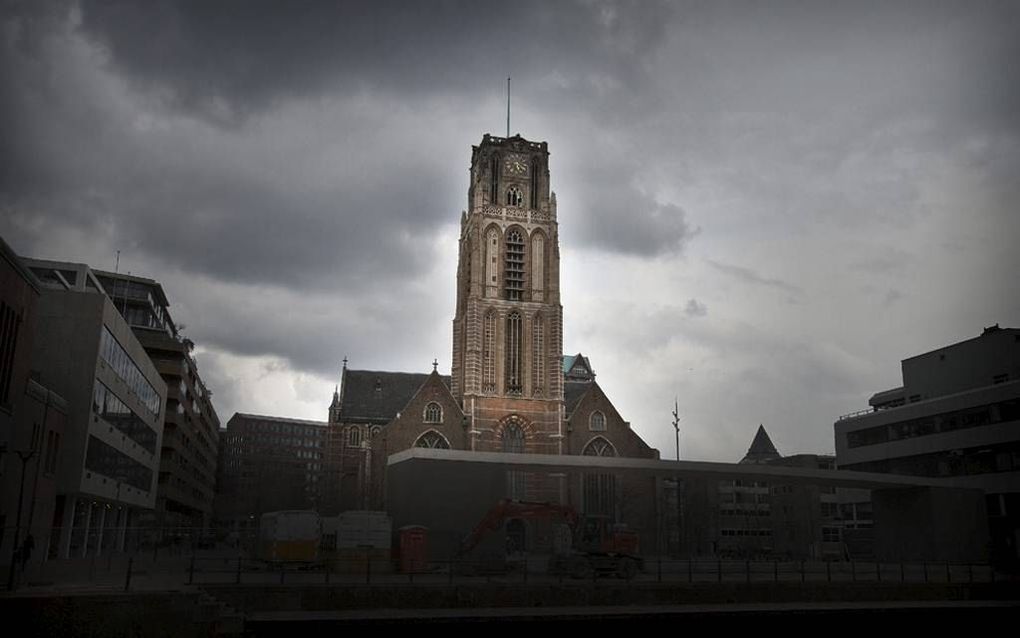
pixel 508 106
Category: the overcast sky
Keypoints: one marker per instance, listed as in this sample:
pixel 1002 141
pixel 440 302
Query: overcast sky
pixel 763 207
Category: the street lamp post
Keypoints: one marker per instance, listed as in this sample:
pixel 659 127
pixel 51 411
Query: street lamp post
pixel 25 458
pixel 122 514
pixel 679 496
pixel 38 465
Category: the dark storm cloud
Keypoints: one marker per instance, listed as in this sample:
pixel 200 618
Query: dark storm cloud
pixel 105 158
pixel 229 59
pixel 294 173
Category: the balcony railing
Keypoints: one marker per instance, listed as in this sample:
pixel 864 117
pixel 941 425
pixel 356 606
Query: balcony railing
pixel 854 415
pixel 512 213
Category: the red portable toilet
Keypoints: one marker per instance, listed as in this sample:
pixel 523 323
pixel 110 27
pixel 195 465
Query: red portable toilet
pixel 413 548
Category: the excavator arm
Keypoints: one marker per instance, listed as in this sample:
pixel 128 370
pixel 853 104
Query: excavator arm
pixel 509 509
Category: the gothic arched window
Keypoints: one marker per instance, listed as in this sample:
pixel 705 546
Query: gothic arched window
pixel 599 447
pixel 513 443
pixel 514 268
pixel 537 266
pixel 433 413
pixel 514 196
pixel 491 266
pixel 432 439
pixel 533 190
pixel 513 353
pixel 489 353
pixel 599 495
pixel 597 423
pixel 494 180
pixel 538 356
pixel 354 437
pixel 513 438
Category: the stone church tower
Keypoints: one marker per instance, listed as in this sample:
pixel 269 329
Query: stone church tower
pixel 507 329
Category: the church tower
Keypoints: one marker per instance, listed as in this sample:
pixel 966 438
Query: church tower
pixel 507 328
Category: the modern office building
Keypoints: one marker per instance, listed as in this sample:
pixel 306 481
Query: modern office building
pixel 110 449
pixel 268 464
pixel 957 415
pixel 188 455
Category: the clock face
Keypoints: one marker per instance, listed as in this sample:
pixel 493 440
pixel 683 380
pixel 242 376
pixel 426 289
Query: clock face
pixel 516 164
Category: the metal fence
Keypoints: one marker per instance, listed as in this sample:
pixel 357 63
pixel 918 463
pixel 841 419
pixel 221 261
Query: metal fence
pixel 152 571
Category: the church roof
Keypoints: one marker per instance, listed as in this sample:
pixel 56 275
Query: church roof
pixel 577 366
pixel 762 448
pixel 573 392
pixel 371 396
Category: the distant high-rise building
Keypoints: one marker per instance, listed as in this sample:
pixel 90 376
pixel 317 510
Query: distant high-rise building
pixel 956 415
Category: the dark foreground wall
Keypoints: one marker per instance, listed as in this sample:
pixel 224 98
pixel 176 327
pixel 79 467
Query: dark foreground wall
pixel 930 524
pixel 449 499
pixel 146 615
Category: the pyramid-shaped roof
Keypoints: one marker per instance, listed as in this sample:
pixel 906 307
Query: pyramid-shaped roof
pixel 762 449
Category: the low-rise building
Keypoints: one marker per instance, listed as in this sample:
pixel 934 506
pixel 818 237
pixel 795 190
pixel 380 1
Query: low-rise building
pixel 957 415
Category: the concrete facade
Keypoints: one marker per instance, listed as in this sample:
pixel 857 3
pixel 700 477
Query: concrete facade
pixel 957 415
pixel 450 491
pixel 115 398
pixel 954 524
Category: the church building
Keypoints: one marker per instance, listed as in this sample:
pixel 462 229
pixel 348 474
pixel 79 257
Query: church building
pixel 511 388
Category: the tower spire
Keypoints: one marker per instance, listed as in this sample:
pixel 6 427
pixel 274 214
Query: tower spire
pixel 508 106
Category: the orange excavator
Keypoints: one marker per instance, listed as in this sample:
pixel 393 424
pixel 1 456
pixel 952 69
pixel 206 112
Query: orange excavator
pixel 585 546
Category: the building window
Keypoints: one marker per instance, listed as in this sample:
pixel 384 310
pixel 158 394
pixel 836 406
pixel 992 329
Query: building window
pixel 514 197
pixel 489 354
pixel 599 447
pixel 597 422
pixel 513 443
pixel 433 413
pixel 354 437
pixel 9 325
pixel 538 356
pixel 513 438
pixel 537 266
pixel 107 406
pixel 600 495
pixel 491 262
pixel 514 273
pixel 533 190
pixel 513 353
pixel 432 439
pixel 118 359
